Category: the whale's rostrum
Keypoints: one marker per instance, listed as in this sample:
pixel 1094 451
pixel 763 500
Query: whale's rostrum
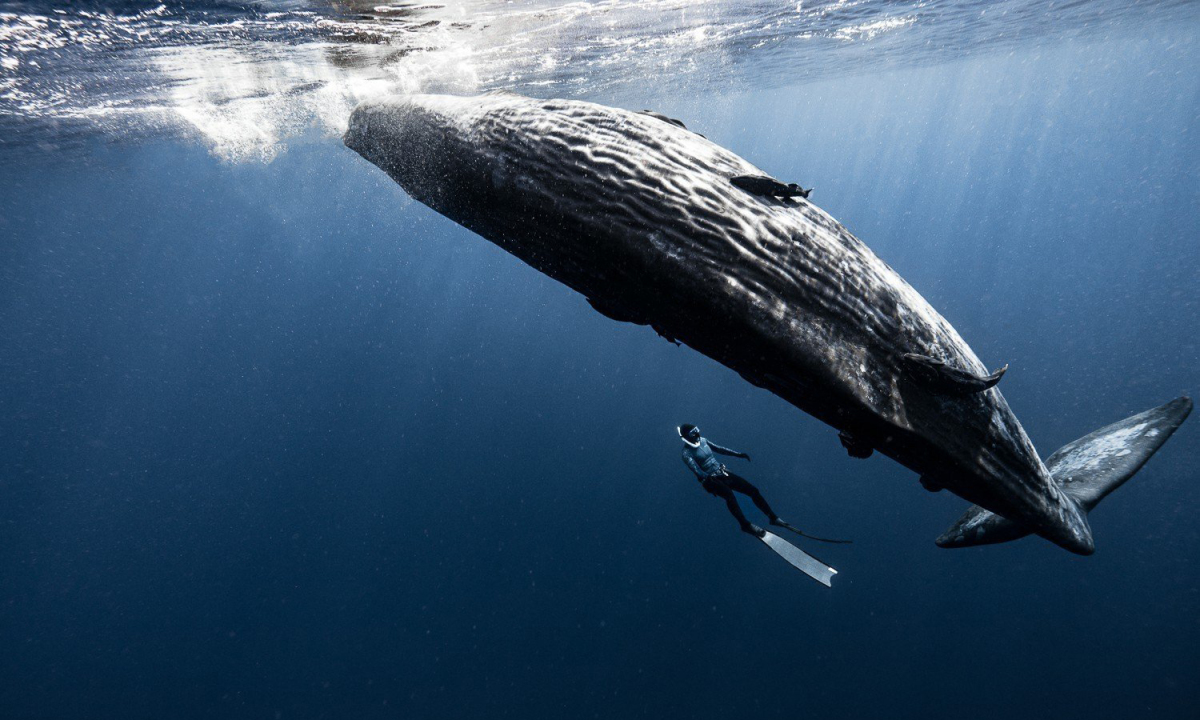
pixel 640 217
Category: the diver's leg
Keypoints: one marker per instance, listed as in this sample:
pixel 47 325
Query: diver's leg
pixel 742 485
pixel 722 491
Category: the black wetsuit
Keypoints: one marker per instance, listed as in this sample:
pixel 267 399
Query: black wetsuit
pixel 717 480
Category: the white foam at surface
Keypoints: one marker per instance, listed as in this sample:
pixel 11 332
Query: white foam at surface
pixel 245 107
pixel 246 79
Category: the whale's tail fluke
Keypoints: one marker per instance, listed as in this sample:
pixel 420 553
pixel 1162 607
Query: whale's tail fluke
pixel 1087 470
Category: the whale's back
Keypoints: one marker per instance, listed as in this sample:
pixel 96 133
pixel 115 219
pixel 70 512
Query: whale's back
pixel 606 200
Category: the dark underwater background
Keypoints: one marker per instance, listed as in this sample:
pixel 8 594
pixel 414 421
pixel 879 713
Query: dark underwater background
pixel 278 442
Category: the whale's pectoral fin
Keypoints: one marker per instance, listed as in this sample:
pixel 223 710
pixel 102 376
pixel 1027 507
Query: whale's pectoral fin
pixel 940 377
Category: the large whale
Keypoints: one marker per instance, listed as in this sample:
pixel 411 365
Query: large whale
pixel 643 217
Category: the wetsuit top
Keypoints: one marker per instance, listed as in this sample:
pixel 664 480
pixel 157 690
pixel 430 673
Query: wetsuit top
pixel 701 460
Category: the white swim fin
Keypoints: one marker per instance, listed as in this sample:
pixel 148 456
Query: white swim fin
pixel 800 560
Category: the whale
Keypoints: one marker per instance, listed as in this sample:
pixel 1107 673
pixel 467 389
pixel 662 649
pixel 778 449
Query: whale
pixel 642 217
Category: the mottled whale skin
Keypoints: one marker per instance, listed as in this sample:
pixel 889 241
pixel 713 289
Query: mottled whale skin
pixel 638 215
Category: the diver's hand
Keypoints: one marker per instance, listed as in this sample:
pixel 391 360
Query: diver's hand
pixel 744 456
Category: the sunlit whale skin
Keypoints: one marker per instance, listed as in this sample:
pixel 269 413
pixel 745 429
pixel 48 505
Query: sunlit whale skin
pixel 639 215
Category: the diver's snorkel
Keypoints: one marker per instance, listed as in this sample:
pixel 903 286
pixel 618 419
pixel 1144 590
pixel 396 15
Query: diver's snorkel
pixel 691 432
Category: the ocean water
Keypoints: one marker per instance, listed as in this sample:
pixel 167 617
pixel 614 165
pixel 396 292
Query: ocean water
pixel 277 441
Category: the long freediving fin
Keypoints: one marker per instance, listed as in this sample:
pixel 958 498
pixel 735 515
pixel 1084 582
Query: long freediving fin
pixel 943 378
pixel 800 560
pixel 798 531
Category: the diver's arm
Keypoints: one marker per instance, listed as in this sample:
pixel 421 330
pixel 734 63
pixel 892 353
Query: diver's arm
pixel 726 451
pixel 687 459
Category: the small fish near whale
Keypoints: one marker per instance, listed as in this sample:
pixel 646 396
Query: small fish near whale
pixel 769 187
pixel 656 225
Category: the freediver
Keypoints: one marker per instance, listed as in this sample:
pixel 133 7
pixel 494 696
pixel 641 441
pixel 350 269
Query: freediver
pixel 715 478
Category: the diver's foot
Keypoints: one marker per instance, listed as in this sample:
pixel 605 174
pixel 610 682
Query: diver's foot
pixel 780 522
pixel 754 530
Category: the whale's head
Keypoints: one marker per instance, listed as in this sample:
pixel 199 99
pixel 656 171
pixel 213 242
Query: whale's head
pixel 435 146
pixel 554 177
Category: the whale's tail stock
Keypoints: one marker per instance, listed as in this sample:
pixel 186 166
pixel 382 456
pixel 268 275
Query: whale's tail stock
pixel 1087 470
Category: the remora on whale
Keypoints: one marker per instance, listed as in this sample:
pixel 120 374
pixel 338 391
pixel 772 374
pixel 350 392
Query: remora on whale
pixel 639 215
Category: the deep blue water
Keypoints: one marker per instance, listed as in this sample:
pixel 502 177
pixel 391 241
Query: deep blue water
pixel 278 442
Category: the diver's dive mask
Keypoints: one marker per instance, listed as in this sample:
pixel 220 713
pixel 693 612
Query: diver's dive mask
pixel 690 434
